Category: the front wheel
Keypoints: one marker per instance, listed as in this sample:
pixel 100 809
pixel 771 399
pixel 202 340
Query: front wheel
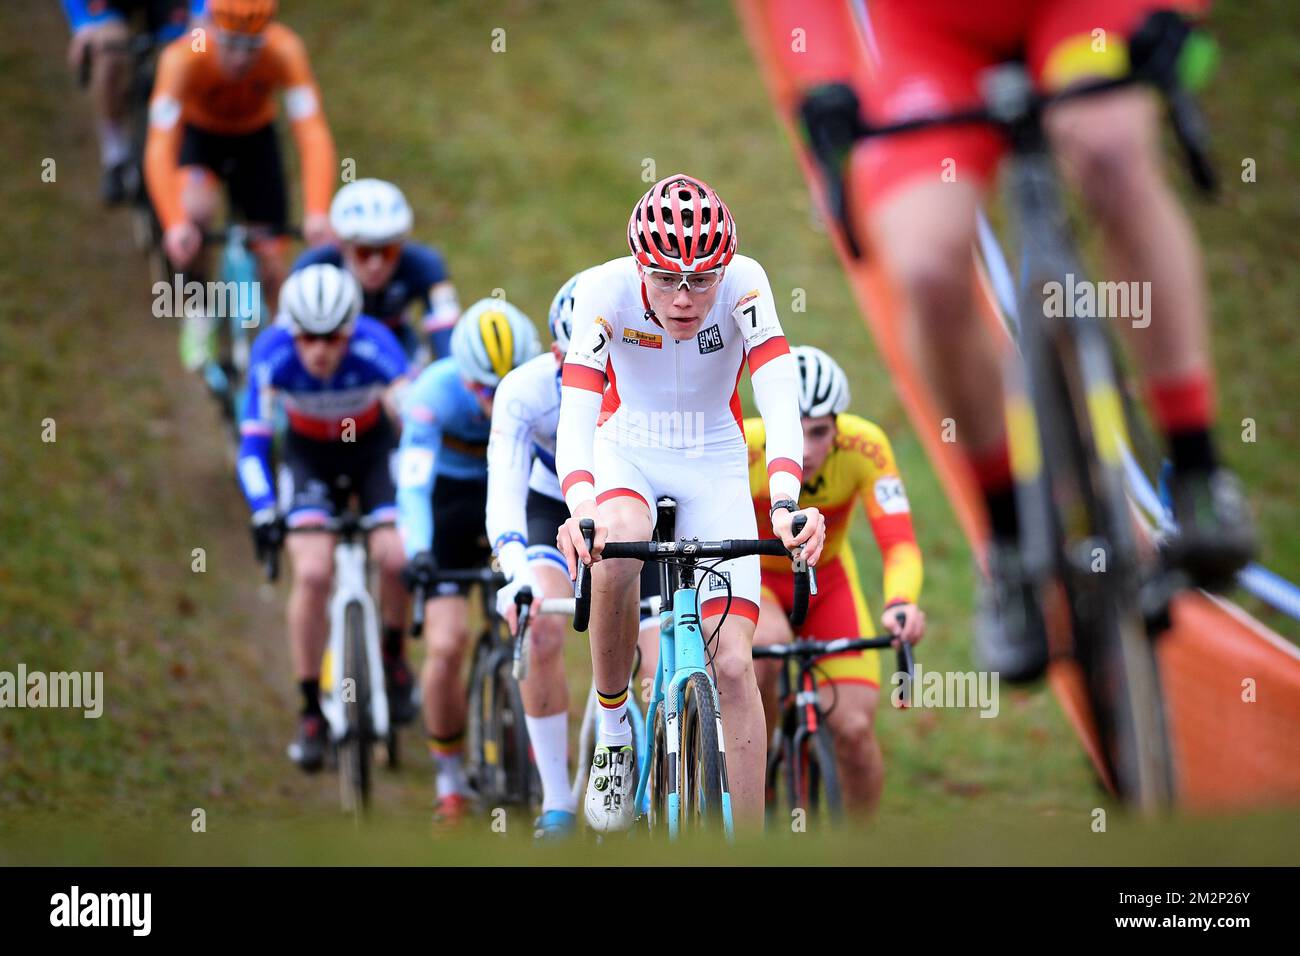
pixel 816 782
pixel 701 765
pixel 662 771
pixel 354 749
pixel 509 732
pixel 480 757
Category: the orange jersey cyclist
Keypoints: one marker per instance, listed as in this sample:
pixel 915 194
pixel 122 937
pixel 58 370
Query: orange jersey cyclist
pixel 649 407
pixel 211 120
pixel 846 459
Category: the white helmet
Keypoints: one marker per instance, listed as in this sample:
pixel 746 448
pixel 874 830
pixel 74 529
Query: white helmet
pixel 561 316
pixel 490 338
pixel 321 299
pixel 823 386
pixel 370 211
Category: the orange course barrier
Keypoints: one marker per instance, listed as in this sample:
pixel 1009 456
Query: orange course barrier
pixel 1232 685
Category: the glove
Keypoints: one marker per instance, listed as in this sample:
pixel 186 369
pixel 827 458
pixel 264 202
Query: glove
pixel 268 532
pixel 419 572
pixel 506 596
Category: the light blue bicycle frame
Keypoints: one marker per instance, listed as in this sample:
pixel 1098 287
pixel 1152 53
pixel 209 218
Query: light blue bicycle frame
pixel 237 267
pixel 681 654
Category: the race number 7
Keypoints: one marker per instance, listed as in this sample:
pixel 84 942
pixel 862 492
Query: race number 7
pixel 752 312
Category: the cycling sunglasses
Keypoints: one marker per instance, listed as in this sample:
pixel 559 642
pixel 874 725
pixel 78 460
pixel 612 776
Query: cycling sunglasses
pixel 389 251
pixel 818 432
pixel 332 338
pixel 695 282
pixel 241 42
pixel 485 392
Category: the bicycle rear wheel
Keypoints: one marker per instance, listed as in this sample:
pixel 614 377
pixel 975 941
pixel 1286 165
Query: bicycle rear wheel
pixel 700 760
pixel 354 750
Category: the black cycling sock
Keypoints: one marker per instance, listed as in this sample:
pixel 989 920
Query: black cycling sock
pixel 1192 450
pixel 310 695
pixel 1003 517
pixel 393 638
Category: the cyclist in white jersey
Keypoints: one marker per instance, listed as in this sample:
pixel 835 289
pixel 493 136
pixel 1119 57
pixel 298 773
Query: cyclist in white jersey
pixel 524 509
pixel 669 330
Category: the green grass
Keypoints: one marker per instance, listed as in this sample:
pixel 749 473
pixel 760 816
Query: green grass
pixel 521 166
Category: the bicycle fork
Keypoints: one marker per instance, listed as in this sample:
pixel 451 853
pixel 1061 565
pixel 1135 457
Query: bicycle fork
pixel 678 659
pixel 350 588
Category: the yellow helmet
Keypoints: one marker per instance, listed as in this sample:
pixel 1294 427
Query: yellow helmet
pixel 490 339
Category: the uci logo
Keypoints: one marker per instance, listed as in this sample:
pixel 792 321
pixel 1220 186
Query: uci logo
pixel 710 339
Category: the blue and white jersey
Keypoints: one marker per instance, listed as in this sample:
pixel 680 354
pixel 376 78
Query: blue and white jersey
pixel 349 402
pixel 444 434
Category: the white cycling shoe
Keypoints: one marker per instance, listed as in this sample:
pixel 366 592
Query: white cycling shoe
pixel 610 789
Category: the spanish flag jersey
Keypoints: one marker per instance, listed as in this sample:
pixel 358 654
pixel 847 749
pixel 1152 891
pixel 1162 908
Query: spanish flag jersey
pixel 860 466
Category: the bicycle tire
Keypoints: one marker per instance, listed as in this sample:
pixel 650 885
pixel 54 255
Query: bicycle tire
pixel 662 774
pixel 774 780
pixel 1114 651
pixel 354 759
pixel 819 782
pixel 700 761
pixel 475 729
pixel 521 782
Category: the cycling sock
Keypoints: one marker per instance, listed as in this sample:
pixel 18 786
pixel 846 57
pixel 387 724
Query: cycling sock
pixel 310 695
pixel 393 642
pixel 114 144
pixel 613 730
pixel 1183 409
pixel 550 740
pixel 448 766
pixel 992 469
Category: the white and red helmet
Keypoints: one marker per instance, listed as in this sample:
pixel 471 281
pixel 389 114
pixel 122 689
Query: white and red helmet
pixel 680 225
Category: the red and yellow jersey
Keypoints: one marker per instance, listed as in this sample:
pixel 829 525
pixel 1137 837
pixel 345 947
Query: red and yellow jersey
pixel 860 466
pixel 191 89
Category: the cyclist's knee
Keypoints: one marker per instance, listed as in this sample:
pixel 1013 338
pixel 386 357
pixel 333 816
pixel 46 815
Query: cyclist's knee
pixel 617 574
pixel 546 639
pixel 936 279
pixel 386 546
pixel 110 39
pixel 446 641
pixel 313 573
pixel 199 195
pixel 853 728
pixel 1109 150
pixel 734 666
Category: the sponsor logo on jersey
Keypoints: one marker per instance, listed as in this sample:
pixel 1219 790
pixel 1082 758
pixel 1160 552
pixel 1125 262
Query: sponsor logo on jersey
pixel 747 298
pixel 890 495
pixel 710 339
pixel 648 340
pixel 862 445
pixel 719 581
pixel 815 486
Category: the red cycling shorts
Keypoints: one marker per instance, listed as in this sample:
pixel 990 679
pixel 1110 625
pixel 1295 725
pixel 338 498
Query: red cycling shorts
pixel 927 56
pixel 838 610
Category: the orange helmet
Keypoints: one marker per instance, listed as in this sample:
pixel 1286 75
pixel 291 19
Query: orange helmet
pixel 242 16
